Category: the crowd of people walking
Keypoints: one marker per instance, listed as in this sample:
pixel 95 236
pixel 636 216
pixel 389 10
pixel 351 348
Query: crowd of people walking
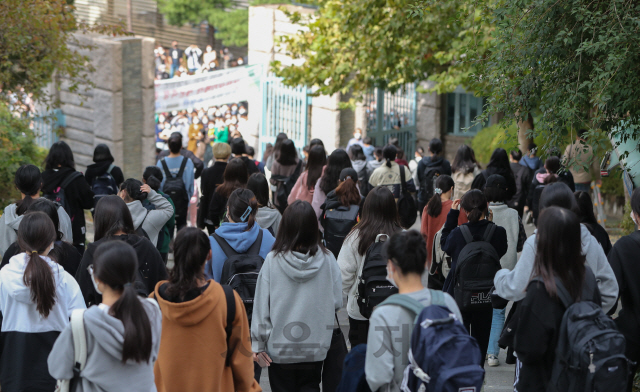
pixel 258 278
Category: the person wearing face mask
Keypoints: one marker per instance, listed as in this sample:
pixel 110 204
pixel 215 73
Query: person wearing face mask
pixel 623 258
pixel 37 296
pixel 195 135
pixel 357 139
pixel 384 369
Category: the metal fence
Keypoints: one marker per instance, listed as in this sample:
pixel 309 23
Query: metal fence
pixel 45 128
pixel 284 109
pixel 392 115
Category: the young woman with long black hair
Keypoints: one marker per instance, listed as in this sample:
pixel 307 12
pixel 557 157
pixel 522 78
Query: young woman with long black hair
pixel 379 216
pixel 338 160
pixel 194 310
pixel 122 332
pixel 498 164
pixel 267 217
pixel 474 204
pixel 359 163
pixel 341 210
pixel 275 153
pixel 36 298
pixel 465 168
pixel 539 315
pixel 301 267
pixel 235 176
pixel 113 222
pixel 60 169
pixel 286 164
pixel 306 183
pixel 63 252
pixel 28 181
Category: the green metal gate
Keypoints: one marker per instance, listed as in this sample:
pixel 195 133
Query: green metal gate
pixel 392 115
pixel 284 109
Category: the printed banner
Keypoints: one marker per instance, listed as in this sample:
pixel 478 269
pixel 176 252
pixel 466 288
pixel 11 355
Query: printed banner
pixel 208 89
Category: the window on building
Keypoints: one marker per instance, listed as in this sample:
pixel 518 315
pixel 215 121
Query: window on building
pixel 462 109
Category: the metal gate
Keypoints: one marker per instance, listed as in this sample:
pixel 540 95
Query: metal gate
pixel 45 128
pixel 284 109
pixel 392 115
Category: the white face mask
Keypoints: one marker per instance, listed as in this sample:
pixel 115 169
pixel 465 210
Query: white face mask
pixel 358 136
pixel 95 284
pixel 633 218
pixel 390 277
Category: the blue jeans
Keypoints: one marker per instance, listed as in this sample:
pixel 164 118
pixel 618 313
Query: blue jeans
pixel 583 186
pixel 174 68
pixel 496 329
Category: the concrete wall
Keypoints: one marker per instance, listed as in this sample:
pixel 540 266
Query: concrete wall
pixel 119 110
pixel 266 24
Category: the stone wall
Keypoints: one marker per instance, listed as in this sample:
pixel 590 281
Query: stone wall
pixel 119 109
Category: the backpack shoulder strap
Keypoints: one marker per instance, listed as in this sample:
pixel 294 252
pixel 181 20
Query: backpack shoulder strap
pixel 466 233
pixel 182 166
pixel 145 218
pixel 488 233
pixel 69 179
pixel 226 248
pixel 563 294
pixel 79 340
pixel 231 315
pixel 255 247
pixel 167 172
pixel 437 298
pixel 404 301
pixel 111 166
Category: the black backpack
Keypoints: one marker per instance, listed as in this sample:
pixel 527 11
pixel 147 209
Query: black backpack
pixel 104 185
pixel 176 188
pixel 240 271
pixel 373 286
pixel 407 208
pixel 428 185
pixel 476 267
pixel 285 186
pixel 590 354
pixel 337 223
pixel 58 194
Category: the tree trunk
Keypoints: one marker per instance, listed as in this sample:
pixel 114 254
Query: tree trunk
pixel 523 139
pixel 211 35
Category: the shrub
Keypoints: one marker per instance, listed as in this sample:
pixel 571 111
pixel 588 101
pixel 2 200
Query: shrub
pixel 17 148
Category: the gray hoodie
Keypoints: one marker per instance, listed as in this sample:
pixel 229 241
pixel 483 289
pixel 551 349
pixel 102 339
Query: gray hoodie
pixel 104 370
pixel 269 218
pixel 152 221
pixel 9 223
pixel 296 298
pixel 511 285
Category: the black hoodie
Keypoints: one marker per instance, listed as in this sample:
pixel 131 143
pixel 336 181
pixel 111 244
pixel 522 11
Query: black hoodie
pixel 623 258
pixel 150 265
pixel 78 195
pixel 99 168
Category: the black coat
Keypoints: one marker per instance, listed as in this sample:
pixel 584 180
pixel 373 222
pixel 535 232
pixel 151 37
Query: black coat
pixel 522 175
pixel 601 235
pixel 452 241
pixel 63 253
pixel 150 265
pixel 536 334
pixel 99 168
pixel 217 208
pixel 78 195
pixel 623 258
pixel 211 178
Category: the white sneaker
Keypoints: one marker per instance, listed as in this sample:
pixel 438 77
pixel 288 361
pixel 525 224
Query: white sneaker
pixel 492 360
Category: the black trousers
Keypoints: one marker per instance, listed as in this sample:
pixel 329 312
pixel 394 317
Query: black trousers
pixel 181 221
pixel 358 331
pixel 298 377
pixel 478 323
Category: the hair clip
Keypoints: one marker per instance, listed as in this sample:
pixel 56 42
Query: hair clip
pixel 34 252
pixel 246 214
pixel 438 191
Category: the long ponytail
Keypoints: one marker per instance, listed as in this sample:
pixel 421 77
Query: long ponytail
pixel 36 233
pixel 117 266
pixel 444 184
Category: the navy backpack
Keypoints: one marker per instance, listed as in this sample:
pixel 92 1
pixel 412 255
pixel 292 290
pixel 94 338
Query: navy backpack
pixel 353 378
pixel 443 356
